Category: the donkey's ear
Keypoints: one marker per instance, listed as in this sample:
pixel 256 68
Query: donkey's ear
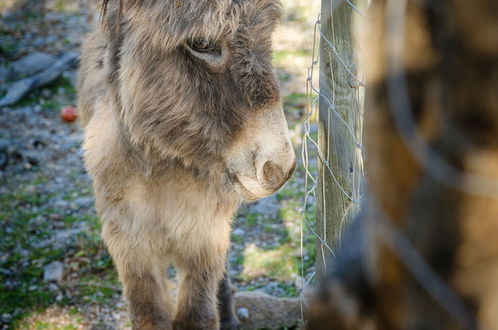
pixel 106 5
pixel 103 6
pixel 120 5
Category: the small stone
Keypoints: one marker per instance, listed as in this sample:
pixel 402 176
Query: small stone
pixel 243 314
pixel 32 160
pixel 65 234
pixel 299 283
pixel 33 288
pixel 53 272
pixel 46 92
pixel 61 203
pixel 51 39
pixel 55 217
pixel 52 287
pixel 30 189
pixel 238 232
pixel 39 41
pixel 83 201
pixel 24 253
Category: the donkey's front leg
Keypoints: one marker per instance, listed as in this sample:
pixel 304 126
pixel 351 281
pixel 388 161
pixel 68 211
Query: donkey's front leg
pixel 228 320
pixel 144 281
pixel 146 296
pixel 197 307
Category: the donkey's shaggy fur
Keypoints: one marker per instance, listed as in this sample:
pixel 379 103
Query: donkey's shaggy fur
pixel 176 136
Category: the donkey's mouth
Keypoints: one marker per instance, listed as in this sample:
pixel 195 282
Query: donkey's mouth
pixel 246 195
pixel 249 189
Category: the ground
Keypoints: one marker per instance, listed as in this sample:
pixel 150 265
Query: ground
pixel 47 215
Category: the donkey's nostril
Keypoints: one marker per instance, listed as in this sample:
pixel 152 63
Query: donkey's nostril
pixel 273 176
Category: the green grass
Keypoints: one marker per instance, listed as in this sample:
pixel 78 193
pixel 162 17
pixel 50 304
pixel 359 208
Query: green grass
pixel 284 55
pixel 17 231
pixel 63 83
pixel 239 260
pixel 51 105
pixel 29 100
pixel 40 325
pixel 289 289
pixel 276 263
pixel 7 48
pixel 68 320
pixel 280 262
pixel 97 289
pixel 295 100
pixel 237 238
pixel 253 218
pixel 283 76
pixel 60 5
pixel 25 224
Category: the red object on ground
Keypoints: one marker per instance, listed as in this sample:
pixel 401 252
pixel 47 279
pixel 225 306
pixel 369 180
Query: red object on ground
pixel 68 114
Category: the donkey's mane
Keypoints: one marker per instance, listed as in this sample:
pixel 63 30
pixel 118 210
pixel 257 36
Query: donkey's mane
pixel 105 4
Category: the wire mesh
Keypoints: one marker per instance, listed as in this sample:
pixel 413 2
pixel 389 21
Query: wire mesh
pixel 322 115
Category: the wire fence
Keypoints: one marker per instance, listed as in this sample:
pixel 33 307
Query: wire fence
pixel 333 114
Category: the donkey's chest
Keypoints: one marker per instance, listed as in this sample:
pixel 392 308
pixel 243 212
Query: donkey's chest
pixel 175 212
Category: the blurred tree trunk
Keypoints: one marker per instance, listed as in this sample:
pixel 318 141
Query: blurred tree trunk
pixel 428 203
pixel 341 94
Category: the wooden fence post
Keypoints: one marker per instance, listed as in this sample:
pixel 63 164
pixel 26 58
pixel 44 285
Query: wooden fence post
pixel 339 123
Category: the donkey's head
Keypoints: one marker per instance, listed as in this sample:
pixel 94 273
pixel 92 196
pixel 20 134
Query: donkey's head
pixel 194 82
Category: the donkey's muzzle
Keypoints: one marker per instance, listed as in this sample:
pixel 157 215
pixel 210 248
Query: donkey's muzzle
pixel 272 176
pixel 262 159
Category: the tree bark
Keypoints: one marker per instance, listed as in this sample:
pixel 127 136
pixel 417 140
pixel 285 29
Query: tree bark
pixel 339 123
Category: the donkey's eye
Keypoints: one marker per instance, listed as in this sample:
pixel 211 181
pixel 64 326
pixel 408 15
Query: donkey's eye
pixel 203 46
pixel 214 53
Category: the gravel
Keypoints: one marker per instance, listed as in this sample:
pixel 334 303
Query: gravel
pixel 268 206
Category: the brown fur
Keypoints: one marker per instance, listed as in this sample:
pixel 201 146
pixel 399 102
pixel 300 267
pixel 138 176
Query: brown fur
pixel 175 140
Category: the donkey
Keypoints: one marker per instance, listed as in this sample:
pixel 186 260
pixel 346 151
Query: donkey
pixel 183 122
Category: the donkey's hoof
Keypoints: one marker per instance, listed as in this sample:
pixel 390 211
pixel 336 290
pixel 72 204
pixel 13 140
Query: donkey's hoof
pixel 232 324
